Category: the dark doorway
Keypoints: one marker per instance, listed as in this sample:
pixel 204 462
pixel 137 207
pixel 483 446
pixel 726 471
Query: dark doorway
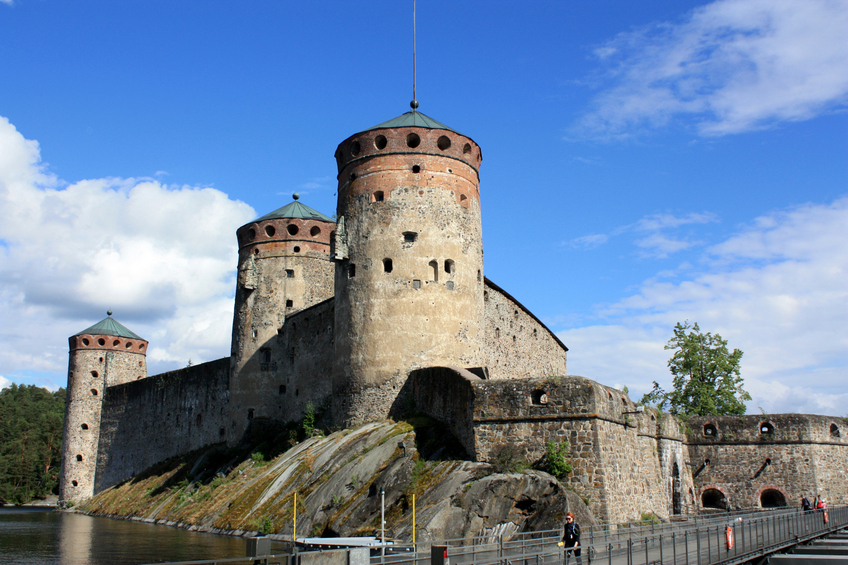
pixel 772 498
pixel 713 498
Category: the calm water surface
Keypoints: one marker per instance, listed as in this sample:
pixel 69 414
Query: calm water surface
pixel 44 537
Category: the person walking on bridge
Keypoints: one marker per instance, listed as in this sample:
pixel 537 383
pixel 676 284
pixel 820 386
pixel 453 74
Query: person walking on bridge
pixel 571 538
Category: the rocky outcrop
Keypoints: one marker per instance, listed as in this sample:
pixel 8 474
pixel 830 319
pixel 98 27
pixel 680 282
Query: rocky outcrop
pixel 339 481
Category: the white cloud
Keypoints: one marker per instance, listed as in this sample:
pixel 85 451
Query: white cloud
pixel 776 290
pixel 162 257
pixel 655 243
pixel 733 65
pixel 4 382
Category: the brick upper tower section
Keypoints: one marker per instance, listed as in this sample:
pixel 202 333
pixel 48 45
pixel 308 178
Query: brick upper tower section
pixel 284 266
pixel 102 356
pixel 409 261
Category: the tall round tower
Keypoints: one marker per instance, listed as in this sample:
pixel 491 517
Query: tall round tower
pixel 409 292
pixel 284 266
pixel 104 355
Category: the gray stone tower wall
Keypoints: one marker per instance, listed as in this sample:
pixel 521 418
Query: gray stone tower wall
pixel 284 266
pixel 96 362
pixel 409 292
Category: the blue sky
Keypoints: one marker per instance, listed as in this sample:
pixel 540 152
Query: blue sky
pixel 644 163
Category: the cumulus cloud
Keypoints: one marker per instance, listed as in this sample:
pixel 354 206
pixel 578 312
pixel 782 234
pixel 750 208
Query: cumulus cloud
pixel 775 289
pixel 162 257
pixel 732 66
pixel 4 382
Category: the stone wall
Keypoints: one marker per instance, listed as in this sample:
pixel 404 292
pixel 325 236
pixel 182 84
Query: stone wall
pixel 622 463
pixel 764 460
pixel 516 345
pixel 147 421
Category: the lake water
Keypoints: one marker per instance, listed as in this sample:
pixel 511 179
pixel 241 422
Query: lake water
pixel 44 537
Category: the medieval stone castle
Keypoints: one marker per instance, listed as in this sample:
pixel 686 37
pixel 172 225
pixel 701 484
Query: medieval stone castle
pixel 387 310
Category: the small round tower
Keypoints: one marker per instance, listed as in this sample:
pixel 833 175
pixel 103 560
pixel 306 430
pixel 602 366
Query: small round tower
pixel 284 266
pixel 409 291
pixel 104 355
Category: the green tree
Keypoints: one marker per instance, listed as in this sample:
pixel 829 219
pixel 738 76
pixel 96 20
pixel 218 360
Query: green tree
pixel 706 376
pixel 30 442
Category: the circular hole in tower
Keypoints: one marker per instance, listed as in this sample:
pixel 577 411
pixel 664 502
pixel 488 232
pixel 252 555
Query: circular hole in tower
pixel 466 148
pixel 84 341
pixel 116 343
pixel 101 341
pixel 94 392
pixel 84 426
pixel 380 142
pixel 270 231
pixel 355 148
pixel 251 234
pixel 444 142
pixel 79 457
pixel 314 231
pixel 296 249
pixel 129 345
pixel 416 168
pixel 292 229
pixel 76 484
pixel 141 346
pixel 94 374
pixel 412 140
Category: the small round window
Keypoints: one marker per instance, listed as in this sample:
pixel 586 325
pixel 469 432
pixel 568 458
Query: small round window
pixel 314 231
pixel 444 143
pixel 292 229
pixel 380 142
pixel 766 428
pixel 355 148
pixel 251 234
pixel 710 430
pixel 270 231
pixel 412 140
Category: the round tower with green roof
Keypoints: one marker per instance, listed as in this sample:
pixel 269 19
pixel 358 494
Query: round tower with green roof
pixel 409 289
pixel 104 355
pixel 284 266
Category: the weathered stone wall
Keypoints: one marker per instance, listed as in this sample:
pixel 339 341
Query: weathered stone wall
pixel 516 345
pixel 764 460
pixel 409 293
pixel 150 420
pixel 622 463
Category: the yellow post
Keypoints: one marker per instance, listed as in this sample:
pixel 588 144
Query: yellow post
pixel 413 522
pixel 294 535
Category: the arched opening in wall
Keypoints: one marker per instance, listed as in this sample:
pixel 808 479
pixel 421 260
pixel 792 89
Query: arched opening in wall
pixel 497 333
pixel 772 498
pixel 314 231
pixel 710 430
pixel 713 498
pixel 289 273
pixel 129 345
pixel 479 276
pixel 380 142
pixel 84 426
pixel 539 397
pixel 94 392
pixel 270 231
pixel 251 234
pixel 412 140
pixel 387 265
pixel 449 266
pixel 292 229
pixel 355 148
pixel 116 343
pixel 79 457
pixel 676 495
pixel 434 271
pixel 266 355
pixel 95 374
pixel 222 431
pixel 377 196
pixel 466 149
pixel 766 428
pixel 101 342
pixel 444 143
pixel 76 484
pixel 85 341
pixel 834 430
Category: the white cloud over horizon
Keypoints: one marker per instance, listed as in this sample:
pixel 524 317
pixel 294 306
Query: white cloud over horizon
pixel 162 257
pixel 775 289
pixel 731 66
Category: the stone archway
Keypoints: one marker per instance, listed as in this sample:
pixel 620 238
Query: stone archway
pixel 772 498
pixel 713 498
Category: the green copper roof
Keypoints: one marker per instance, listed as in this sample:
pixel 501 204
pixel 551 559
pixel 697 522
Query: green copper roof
pixel 296 210
pixel 109 326
pixel 412 119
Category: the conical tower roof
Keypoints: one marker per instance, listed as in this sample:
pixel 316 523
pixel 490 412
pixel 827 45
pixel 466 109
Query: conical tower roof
pixel 109 326
pixel 297 211
pixel 413 118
